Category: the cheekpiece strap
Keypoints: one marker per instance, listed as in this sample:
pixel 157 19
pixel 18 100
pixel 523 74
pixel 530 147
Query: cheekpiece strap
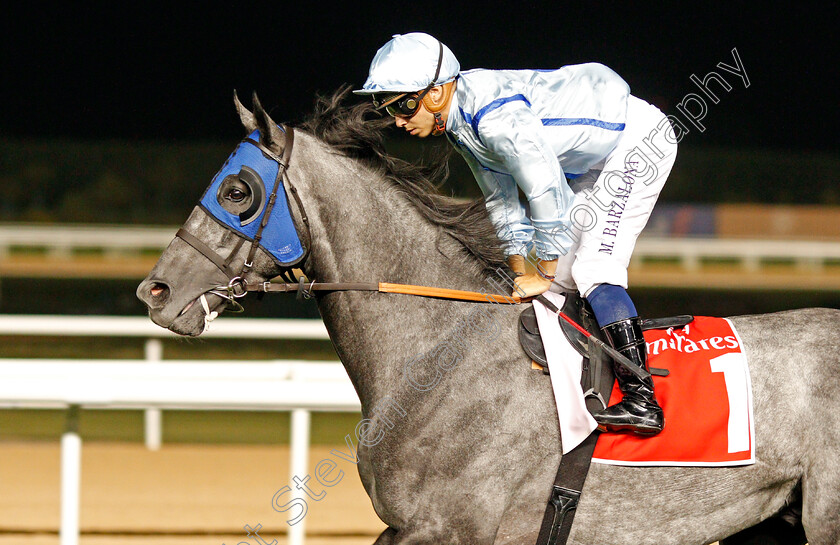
pixel 282 166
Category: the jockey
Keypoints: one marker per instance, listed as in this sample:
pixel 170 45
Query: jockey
pixel 590 159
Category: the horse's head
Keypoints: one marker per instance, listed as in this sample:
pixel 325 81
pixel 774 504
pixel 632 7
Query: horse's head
pixel 241 233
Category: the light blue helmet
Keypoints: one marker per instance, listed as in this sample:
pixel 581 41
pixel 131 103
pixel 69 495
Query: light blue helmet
pixel 410 62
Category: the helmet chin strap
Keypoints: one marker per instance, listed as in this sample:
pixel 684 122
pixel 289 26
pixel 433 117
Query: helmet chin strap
pixel 440 125
pixel 448 89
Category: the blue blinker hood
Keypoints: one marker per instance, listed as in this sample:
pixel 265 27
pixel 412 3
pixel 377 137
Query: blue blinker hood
pixel 253 168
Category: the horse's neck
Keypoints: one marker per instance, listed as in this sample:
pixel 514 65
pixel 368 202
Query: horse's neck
pixel 369 232
pixel 378 235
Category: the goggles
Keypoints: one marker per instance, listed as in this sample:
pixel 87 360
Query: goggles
pixel 402 105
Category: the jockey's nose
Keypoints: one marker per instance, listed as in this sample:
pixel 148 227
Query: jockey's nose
pixel 400 121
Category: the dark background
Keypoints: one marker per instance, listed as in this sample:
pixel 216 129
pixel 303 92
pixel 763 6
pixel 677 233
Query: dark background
pixel 144 73
pixel 124 114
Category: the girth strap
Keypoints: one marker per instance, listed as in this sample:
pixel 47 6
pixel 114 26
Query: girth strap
pixel 574 466
pixel 565 493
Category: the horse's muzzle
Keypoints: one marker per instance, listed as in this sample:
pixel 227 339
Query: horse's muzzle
pixel 153 293
pixel 175 309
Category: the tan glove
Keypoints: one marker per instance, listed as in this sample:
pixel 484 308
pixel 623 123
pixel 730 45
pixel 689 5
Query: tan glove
pixel 516 264
pixel 535 283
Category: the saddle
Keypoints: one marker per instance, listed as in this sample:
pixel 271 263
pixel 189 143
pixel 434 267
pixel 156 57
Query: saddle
pixel 597 375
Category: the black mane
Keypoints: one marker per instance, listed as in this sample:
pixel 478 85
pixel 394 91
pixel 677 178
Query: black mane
pixel 356 131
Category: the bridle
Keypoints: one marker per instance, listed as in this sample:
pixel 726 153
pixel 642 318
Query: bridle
pixel 237 286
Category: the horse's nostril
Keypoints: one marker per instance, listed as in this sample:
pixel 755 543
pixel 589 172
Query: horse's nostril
pixel 158 290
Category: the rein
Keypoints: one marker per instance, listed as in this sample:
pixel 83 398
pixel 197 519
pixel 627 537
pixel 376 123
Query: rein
pixel 304 289
pixel 237 286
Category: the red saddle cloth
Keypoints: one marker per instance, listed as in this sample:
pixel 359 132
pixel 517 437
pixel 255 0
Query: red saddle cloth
pixel 707 400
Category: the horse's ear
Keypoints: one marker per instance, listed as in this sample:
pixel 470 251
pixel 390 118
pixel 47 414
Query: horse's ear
pixel 269 131
pixel 247 118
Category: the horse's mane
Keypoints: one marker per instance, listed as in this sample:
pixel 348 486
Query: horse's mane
pixel 357 132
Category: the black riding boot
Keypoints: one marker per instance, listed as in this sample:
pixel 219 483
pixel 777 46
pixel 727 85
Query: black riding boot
pixel 638 411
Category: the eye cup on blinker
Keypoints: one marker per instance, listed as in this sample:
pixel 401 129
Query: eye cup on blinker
pixel 253 203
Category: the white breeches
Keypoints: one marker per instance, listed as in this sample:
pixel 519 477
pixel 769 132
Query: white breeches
pixel 608 217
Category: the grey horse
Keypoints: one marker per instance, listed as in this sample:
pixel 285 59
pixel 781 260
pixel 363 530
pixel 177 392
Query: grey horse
pixel 460 442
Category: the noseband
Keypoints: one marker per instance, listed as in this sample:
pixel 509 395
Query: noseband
pixel 237 285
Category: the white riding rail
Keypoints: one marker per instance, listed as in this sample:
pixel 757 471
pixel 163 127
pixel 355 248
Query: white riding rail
pixel 63 240
pixel 809 255
pixel 296 386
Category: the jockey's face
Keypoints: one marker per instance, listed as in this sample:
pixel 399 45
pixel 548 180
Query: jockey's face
pixel 420 124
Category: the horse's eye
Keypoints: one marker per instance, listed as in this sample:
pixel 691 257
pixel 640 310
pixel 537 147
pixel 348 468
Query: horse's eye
pixel 236 195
